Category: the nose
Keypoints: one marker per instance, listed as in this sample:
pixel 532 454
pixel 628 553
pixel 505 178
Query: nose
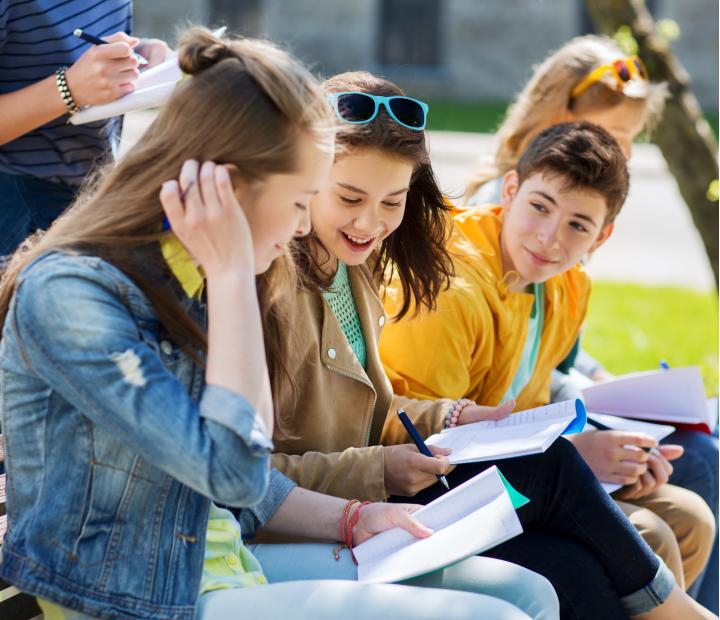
pixel 548 235
pixel 304 223
pixel 366 221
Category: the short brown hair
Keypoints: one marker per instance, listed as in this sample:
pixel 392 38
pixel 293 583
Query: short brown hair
pixel 583 154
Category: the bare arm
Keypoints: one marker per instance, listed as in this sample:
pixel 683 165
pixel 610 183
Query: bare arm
pixel 102 74
pixel 314 515
pixel 212 226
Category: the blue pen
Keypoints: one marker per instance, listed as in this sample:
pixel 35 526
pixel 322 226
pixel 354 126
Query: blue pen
pixel 664 365
pixel 89 38
pixel 415 436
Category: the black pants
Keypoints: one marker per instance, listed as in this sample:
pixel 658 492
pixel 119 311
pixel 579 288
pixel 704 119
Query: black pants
pixel 574 534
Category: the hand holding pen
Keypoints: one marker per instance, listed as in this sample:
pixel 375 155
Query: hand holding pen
pixel 104 72
pixel 434 464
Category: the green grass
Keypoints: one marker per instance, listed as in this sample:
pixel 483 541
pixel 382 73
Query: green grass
pixel 485 117
pixel 631 327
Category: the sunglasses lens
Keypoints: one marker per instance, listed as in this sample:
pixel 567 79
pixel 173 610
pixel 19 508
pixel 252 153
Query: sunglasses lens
pixel 355 107
pixel 622 70
pixel 408 112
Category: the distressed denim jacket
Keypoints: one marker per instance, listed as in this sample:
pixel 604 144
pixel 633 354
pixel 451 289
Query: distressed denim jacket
pixel 115 447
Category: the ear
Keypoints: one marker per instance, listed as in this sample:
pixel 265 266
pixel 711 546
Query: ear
pixel 604 235
pixel 510 186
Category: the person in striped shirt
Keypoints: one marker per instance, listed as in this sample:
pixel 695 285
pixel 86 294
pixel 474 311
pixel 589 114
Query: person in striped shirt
pixel 43 159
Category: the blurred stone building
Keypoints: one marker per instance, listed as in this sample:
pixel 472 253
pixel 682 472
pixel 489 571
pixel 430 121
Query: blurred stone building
pixel 442 49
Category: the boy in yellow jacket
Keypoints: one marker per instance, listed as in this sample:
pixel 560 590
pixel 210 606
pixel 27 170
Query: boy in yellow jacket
pixel 514 310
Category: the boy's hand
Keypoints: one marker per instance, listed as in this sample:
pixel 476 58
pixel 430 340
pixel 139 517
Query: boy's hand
pixel 658 473
pixel 615 456
pixel 478 413
pixel 378 517
pixel 408 472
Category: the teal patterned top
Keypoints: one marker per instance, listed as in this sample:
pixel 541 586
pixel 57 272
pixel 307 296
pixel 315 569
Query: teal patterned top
pixel 342 303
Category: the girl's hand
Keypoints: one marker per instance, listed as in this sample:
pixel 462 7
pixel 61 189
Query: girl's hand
pixel 478 413
pixel 408 472
pixel 206 217
pixel 658 472
pixel 378 517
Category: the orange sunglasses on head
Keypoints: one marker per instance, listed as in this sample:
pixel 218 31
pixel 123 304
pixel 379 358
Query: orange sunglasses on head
pixel 623 70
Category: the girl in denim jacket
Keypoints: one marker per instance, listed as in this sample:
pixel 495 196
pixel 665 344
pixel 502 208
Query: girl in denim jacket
pixel 135 400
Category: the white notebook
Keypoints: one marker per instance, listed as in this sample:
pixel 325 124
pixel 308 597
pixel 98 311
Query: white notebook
pixel 676 395
pixel 525 432
pixel 467 520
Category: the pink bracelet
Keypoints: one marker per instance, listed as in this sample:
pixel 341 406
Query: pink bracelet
pixel 452 416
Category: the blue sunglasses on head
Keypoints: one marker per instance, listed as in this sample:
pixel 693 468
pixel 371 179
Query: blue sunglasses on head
pixel 360 108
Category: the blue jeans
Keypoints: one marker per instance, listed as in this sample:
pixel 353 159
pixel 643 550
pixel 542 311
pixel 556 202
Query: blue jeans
pixel 528 591
pixel 27 205
pixel 697 470
pixel 574 535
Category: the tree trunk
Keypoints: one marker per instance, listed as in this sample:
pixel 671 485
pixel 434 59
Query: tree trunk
pixel 683 134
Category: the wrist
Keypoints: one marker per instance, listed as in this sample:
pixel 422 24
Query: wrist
pixel 63 87
pixel 452 417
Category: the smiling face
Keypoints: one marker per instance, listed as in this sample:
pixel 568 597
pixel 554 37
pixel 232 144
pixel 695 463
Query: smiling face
pixel 548 228
pixel 278 207
pixel 362 204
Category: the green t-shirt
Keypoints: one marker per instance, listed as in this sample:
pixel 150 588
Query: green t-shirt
pixel 342 303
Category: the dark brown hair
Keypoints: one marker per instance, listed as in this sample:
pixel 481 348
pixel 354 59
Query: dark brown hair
pixel 417 248
pixel 586 156
pixel 245 103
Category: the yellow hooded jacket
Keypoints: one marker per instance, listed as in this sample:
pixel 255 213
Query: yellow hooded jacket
pixel 471 345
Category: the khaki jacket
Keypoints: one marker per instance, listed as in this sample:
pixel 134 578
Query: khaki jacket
pixel 472 344
pixel 344 413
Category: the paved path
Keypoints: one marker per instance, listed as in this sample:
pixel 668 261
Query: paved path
pixel 654 240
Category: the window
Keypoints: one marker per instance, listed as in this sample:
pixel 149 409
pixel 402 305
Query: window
pixel 410 32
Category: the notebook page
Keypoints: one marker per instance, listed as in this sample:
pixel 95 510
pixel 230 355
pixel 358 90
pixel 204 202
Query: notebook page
pixel 490 522
pixel 525 432
pixel 673 395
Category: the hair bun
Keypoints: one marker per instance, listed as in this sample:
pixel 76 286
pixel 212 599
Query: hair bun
pixel 200 50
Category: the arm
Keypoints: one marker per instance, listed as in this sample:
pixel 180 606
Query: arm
pixel 313 515
pixel 102 74
pixel 355 472
pixel 80 339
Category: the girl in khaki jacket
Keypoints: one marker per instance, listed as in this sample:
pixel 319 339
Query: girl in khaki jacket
pixel 336 427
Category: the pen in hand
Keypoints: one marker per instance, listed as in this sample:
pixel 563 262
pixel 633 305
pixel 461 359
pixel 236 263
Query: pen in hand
pixel 89 38
pixel 418 441
pixel 602 427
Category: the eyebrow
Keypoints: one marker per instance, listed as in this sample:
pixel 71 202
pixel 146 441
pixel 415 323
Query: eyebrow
pixel 357 190
pixel 580 216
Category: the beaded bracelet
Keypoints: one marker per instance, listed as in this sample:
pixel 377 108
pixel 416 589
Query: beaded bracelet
pixel 61 83
pixel 453 415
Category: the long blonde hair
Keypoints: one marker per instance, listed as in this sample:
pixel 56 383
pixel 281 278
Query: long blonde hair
pixel 546 100
pixel 245 103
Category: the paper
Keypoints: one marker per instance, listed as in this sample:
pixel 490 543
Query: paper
pixel 467 520
pixel 152 89
pixel 525 432
pixel 659 431
pixel 676 395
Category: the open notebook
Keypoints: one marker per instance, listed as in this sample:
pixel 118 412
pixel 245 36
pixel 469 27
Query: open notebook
pixel 675 395
pixel 525 432
pixel 474 517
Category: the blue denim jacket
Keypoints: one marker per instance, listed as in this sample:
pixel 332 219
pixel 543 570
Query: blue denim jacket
pixel 115 447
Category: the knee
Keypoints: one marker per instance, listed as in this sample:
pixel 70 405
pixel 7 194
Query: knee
pixel 540 599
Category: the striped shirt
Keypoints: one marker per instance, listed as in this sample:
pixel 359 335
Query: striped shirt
pixel 36 38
